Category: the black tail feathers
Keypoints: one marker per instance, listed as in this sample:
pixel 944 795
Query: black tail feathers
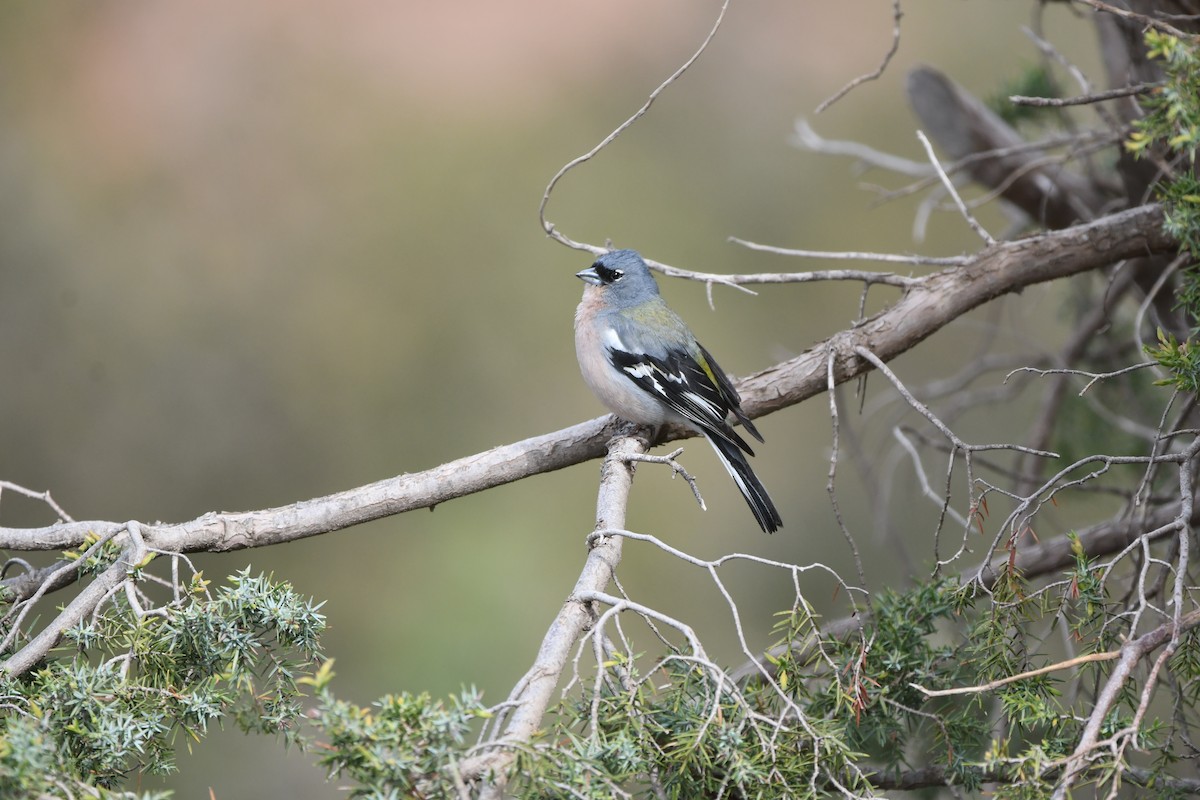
pixel 751 487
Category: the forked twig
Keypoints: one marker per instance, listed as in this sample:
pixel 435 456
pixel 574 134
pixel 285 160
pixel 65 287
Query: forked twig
pixel 676 469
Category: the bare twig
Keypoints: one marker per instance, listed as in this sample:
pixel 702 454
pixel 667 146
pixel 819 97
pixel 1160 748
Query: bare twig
pixel 962 207
pixel 897 14
pixel 1033 673
pixel 34 495
pixel 1150 22
pixel 548 226
pixel 1131 653
pixel 853 275
pixel 1093 377
pixel 806 136
pixel 619 604
pixel 670 459
pixel 830 487
pixel 924 411
pixel 1082 100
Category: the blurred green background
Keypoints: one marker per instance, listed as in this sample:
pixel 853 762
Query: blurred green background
pixel 253 253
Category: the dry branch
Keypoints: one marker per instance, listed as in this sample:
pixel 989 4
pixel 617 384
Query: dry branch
pixel 1131 653
pixel 1045 558
pixel 922 310
pixel 527 704
pixel 964 127
pixel 944 296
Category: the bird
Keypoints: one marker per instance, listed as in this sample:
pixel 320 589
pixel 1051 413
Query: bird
pixel 643 363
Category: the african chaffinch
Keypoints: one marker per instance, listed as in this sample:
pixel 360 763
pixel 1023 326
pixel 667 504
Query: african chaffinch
pixel 641 360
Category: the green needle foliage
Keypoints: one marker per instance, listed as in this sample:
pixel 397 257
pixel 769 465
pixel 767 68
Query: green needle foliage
pixel 402 746
pixel 1170 132
pixel 1180 359
pixel 1173 109
pixel 828 715
pixel 136 682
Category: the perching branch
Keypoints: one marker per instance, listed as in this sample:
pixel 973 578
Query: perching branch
pixel 944 296
pixel 937 300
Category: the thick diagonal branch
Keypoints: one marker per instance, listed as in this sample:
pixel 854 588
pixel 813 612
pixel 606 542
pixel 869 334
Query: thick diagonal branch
pixel 945 296
pixel 925 308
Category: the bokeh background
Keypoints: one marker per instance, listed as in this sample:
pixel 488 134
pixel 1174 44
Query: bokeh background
pixel 253 253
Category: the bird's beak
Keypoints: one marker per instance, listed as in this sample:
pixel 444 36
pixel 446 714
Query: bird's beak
pixel 589 276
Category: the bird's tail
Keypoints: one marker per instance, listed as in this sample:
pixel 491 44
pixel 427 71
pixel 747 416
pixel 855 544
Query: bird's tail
pixel 751 487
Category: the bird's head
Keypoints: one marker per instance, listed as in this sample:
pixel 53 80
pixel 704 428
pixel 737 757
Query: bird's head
pixel 622 275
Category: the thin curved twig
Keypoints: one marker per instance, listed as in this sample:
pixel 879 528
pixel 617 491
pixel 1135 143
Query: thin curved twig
pixel 897 14
pixel 949 184
pixel 548 226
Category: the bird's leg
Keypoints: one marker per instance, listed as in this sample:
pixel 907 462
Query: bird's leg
pixel 647 434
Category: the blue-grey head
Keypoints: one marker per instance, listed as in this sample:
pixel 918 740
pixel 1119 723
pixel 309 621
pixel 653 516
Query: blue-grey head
pixel 623 276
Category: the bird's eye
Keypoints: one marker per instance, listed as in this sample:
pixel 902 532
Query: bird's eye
pixel 608 274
